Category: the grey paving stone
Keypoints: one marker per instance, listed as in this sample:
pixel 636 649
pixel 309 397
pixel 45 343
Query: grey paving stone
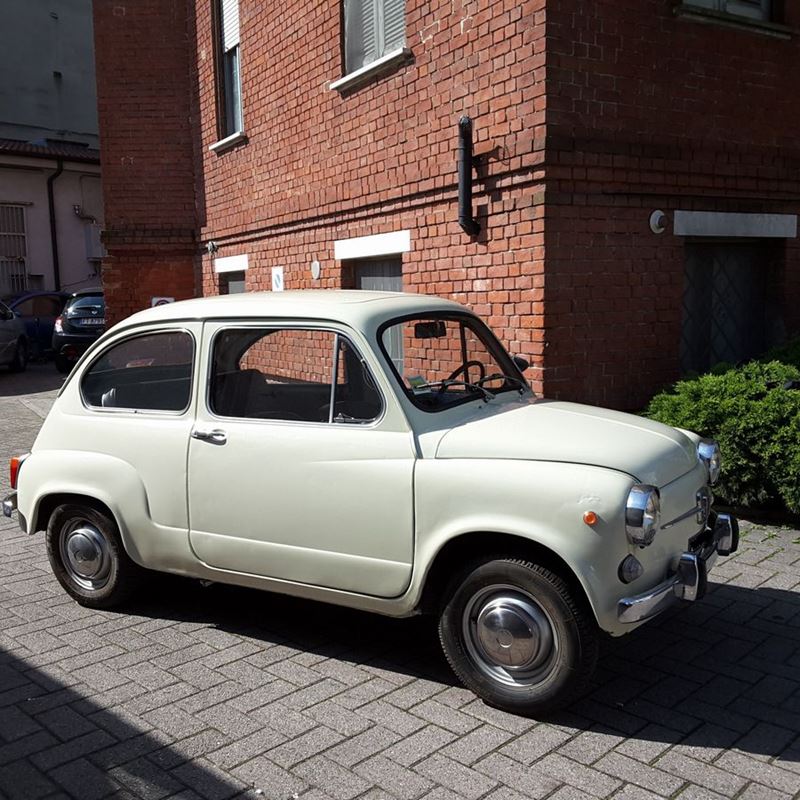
pixel 261 773
pixel 476 744
pixel 245 748
pixel 358 748
pixel 575 774
pixel 445 717
pixel 697 772
pixel 536 743
pixel 758 771
pixel 419 745
pixel 458 778
pixel 207 781
pixel 82 779
pixel 632 771
pixel 334 779
pixel 292 752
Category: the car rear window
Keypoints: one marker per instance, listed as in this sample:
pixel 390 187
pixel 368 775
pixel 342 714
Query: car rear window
pixel 86 301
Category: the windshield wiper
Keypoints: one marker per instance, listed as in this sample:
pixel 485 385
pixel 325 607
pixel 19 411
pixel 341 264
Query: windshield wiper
pixel 446 384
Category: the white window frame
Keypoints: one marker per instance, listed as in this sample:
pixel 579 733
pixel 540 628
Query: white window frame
pixel 384 50
pixel 229 80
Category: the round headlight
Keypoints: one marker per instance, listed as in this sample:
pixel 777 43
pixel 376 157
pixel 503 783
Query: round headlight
pixel 708 452
pixel 642 514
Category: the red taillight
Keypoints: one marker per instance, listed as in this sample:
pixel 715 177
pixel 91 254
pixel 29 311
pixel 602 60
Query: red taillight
pixel 14 465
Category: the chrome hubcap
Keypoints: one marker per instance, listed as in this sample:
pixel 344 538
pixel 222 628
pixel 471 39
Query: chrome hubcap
pixel 509 636
pixel 85 554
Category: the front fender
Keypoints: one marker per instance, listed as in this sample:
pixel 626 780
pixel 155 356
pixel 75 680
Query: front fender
pixel 543 502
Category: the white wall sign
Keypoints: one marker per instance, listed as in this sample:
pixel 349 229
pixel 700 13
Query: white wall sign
pixel 277 279
pixel 161 301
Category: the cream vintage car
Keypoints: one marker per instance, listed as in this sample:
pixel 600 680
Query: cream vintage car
pixel 375 450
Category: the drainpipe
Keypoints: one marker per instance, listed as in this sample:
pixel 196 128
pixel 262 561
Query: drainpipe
pixel 53 232
pixel 465 219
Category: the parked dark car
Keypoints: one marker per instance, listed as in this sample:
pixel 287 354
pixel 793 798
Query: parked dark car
pixel 81 322
pixel 38 311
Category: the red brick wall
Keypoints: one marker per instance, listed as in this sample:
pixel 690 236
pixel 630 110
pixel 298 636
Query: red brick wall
pixel 320 166
pixel 648 111
pixel 588 116
pixel 142 53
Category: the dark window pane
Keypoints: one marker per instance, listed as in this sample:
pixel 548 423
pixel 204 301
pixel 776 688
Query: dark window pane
pixel 151 372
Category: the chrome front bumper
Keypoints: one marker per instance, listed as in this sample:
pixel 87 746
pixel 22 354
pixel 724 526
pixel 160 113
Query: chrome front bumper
pixel 10 504
pixel 720 538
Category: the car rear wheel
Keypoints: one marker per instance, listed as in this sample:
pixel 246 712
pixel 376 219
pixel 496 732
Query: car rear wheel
pixel 20 361
pixel 88 558
pixel 517 635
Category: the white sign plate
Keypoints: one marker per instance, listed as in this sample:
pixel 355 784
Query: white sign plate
pixel 277 279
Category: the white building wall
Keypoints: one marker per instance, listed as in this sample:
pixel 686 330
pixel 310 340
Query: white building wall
pixel 24 181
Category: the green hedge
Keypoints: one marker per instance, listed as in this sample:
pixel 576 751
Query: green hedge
pixel 756 421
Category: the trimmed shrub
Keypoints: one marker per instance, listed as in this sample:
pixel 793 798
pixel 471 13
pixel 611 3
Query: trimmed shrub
pixel 755 418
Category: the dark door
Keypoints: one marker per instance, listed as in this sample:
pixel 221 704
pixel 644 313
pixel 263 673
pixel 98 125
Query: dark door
pixel 728 311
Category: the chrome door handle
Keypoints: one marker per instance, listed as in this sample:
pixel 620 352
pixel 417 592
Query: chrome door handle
pixel 215 436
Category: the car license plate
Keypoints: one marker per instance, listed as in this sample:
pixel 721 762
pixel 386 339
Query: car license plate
pixel 93 321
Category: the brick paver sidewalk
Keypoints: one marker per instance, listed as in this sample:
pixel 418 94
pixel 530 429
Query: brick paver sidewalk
pixel 220 692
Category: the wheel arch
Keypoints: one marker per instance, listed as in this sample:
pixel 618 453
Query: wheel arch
pixel 460 550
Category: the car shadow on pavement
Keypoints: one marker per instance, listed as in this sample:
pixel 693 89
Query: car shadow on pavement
pixel 721 673
pixel 47 729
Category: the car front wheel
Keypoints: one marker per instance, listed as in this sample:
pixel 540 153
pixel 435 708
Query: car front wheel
pixel 517 635
pixel 88 558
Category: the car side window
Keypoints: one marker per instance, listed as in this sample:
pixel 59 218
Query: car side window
pixel 290 374
pixel 150 372
pixel 25 308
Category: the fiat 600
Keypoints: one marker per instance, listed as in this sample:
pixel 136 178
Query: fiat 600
pixel 376 450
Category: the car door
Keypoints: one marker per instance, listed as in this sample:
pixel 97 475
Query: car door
pixel 8 334
pixel 296 471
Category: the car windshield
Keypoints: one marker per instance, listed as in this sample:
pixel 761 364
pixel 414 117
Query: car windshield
pixel 444 359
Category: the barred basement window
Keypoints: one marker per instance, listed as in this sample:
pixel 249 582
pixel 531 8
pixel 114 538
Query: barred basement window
pixel 754 9
pixel 229 79
pixel 372 29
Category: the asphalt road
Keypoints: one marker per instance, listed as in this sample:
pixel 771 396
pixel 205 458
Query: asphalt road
pixel 225 692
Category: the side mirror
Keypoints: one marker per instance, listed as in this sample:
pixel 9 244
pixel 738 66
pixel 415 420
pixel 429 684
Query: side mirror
pixel 521 363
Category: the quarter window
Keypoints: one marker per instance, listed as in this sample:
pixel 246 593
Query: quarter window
pixel 372 29
pixel 152 372
pixel 291 374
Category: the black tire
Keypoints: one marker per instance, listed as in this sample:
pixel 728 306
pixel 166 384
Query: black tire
pixel 88 558
pixel 20 362
pixel 549 661
pixel 63 364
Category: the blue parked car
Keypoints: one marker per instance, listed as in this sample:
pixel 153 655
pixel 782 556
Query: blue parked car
pixel 38 310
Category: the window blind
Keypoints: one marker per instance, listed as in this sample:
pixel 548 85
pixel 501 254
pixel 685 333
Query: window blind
pixel 372 29
pixel 230 24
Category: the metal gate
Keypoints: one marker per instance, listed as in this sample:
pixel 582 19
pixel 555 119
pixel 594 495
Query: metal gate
pixel 13 250
pixel 725 304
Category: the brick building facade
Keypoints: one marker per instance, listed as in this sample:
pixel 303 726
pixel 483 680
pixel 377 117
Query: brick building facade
pixel 588 118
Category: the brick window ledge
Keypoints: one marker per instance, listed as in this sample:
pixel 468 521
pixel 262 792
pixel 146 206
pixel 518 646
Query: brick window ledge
pixel 229 141
pixel 706 15
pixel 382 64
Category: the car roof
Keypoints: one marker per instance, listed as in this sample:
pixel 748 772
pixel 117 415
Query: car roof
pixel 358 308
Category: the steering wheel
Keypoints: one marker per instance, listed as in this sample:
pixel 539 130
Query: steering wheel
pixel 465 369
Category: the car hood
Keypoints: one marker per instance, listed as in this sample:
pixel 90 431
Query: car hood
pixel 547 430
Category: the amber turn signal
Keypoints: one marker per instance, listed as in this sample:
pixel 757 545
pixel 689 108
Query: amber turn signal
pixel 589 517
